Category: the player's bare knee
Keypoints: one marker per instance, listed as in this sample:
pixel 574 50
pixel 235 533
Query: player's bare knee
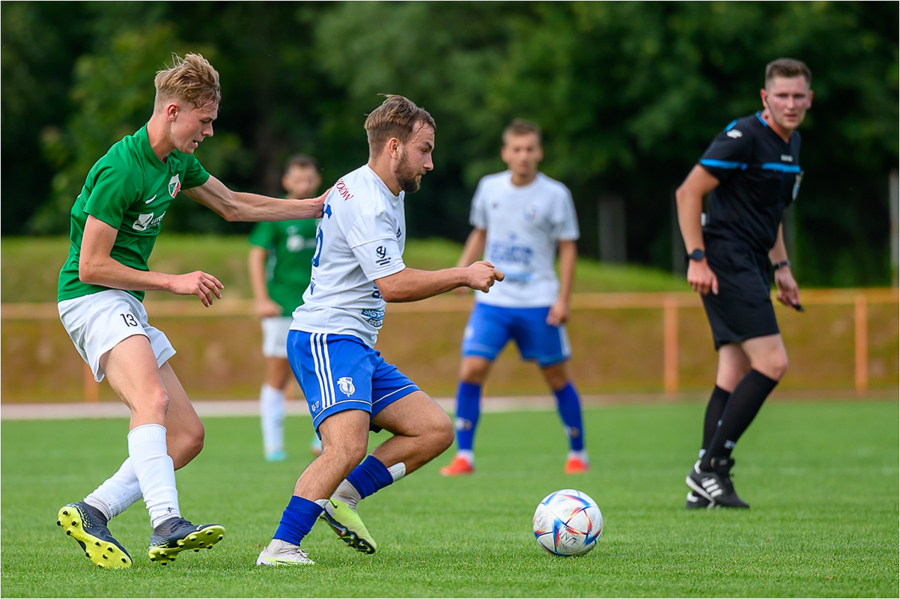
pixel 443 433
pixel 155 404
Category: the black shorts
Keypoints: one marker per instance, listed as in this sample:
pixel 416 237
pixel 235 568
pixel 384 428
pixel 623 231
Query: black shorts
pixel 743 308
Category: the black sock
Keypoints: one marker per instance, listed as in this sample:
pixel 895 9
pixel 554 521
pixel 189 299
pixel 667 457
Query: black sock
pixel 714 410
pixel 746 400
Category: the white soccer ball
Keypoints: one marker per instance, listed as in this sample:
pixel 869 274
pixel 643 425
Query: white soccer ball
pixel 567 522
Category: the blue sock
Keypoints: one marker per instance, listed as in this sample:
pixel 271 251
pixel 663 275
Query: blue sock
pixel 370 476
pixel 569 407
pixel 468 409
pixel 297 520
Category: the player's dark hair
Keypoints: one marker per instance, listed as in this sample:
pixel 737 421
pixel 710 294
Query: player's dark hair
pixel 787 68
pixel 191 79
pixel 521 127
pixel 396 117
pixel 301 161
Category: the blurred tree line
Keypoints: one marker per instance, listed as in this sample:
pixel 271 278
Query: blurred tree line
pixel 629 94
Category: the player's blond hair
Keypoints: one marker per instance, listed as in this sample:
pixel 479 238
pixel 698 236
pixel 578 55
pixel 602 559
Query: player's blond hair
pixel 396 117
pixel 191 79
pixel 521 127
pixel 787 68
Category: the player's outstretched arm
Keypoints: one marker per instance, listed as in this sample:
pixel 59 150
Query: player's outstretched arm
pixel 235 206
pixel 410 284
pixel 689 200
pixel 97 267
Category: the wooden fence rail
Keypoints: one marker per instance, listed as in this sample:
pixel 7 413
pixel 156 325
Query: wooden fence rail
pixel 670 305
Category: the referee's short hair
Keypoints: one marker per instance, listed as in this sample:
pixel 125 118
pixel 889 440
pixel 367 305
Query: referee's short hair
pixel 787 67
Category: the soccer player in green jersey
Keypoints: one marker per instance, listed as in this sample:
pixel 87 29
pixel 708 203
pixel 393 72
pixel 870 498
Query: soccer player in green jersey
pixel 114 224
pixel 280 264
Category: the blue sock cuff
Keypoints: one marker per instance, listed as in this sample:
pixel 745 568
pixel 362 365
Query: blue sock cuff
pixel 297 520
pixel 566 392
pixel 468 391
pixel 569 406
pixel 370 476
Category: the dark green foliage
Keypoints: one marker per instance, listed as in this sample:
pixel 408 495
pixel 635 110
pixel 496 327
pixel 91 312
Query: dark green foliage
pixel 629 94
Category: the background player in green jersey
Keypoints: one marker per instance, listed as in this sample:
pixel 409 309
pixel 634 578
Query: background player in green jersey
pixel 280 264
pixel 114 224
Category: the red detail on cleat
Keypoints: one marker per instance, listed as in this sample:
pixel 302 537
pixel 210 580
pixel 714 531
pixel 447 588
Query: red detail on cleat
pixel 458 467
pixel 576 466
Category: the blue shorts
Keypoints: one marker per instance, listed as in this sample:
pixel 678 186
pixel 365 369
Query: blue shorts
pixel 340 372
pixel 491 327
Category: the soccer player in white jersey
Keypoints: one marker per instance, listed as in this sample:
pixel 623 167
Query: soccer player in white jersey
pixel 357 267
pixel 520 216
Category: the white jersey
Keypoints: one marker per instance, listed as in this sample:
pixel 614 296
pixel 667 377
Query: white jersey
pixel 524 224
pixel 360 239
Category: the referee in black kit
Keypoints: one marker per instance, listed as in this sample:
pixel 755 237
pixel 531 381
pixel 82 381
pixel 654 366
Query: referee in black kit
pixel 751 172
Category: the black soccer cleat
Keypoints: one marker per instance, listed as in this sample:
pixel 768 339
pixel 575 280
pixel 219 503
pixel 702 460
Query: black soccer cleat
pixel 696 502
pixel 715 485
pixel 177 534
pixel 87 525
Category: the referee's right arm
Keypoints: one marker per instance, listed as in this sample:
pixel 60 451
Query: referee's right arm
pixel 689 200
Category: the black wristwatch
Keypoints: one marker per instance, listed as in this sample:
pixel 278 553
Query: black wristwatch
pixel 781 264
pixel 697 255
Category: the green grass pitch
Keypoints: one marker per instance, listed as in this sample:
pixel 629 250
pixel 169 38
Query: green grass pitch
pixel 821 478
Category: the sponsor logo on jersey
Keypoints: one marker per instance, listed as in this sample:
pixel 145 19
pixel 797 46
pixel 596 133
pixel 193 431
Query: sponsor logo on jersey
pixel 315 407
pixel 342 189
pixel 373 317
pixel 151 199
pixel 145 221
pixel 345 384
pixel 734 134
pixel 787 157
pixel 174 186
pixel 399 233
pixel 381 257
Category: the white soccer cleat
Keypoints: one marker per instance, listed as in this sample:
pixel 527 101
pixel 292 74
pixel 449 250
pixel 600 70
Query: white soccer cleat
pixel 282 553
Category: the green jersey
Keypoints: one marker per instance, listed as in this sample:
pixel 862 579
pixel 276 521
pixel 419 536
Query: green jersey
pixel 129 189
pixel 291 245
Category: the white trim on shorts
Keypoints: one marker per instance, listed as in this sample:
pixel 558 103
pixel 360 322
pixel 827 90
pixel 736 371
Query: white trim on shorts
pixel 98 322
pixel 275 331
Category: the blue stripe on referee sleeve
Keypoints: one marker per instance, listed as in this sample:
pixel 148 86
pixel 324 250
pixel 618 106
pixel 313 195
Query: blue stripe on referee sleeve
pixel 777 166
pixel 731 125
pixel 761 120
pixel 723 164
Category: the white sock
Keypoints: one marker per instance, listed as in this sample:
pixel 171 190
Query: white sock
pixel 155 471
pixel 468 454
pixel 118 492
pixel 581 455
pixel 347 493
pixel 397 471
pixel 271 412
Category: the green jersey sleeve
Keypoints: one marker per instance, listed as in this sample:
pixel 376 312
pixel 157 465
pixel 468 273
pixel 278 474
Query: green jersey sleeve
pixel 195 175
pixel 263 235
pixel 113 191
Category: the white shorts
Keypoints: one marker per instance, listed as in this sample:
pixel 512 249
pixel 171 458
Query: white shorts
pixel 275 331
pixel 98 322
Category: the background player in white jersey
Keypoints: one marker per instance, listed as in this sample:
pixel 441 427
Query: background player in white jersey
pixel 280 266
pixel 520 217
pixel 357 267
pixel 114 224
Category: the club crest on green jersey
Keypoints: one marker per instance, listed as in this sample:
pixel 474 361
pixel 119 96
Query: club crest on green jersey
pixel 174 186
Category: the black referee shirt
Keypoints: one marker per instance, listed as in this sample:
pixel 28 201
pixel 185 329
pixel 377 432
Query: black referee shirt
pixel 759 176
